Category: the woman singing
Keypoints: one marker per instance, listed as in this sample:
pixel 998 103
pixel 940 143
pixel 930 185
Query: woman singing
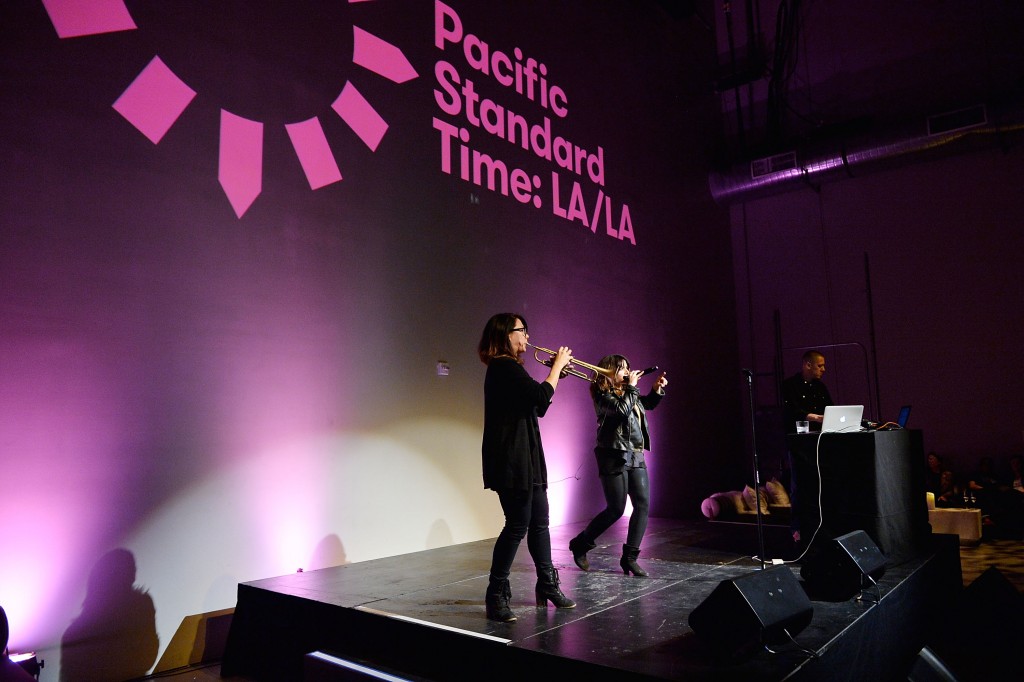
pixel 622 438
pixel 513 460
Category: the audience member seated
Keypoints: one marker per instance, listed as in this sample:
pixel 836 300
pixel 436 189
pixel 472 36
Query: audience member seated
pixel 1000 501
pixel 985 485
pixel 942 483
pixel 1017 473
pixel 985 474
pixel 1010 500
pixel 949 494
pixel 933 475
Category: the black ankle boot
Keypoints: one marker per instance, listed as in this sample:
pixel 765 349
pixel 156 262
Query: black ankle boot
pixel 547 589
pixel 628 561
pixel 579 546
pixel 499 594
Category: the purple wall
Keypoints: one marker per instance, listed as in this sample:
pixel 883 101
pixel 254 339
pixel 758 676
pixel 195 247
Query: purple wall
pixel 937 225
pixel 945 260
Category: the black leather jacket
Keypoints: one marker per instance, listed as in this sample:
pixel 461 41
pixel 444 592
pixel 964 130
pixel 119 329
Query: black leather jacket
pixel 622 419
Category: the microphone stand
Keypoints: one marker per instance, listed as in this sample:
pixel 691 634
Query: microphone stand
pixel 757 467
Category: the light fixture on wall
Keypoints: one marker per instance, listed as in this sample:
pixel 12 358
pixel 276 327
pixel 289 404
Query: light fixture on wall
pixel 28 662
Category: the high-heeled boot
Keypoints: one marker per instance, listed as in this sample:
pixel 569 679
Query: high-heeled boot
pixel 579 546
pixel 499 594
pixel 628 561
pixel 547 589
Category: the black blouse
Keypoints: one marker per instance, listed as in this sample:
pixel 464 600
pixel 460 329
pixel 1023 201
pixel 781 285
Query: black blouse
pixel 513 456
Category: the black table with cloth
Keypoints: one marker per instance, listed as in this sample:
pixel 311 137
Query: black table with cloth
pixel 870 480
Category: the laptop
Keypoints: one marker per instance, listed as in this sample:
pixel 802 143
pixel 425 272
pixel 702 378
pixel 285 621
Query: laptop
pixel 904 416
pixel 842 418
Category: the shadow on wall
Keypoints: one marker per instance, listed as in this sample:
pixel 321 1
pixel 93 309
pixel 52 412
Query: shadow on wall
pixel 440 535
pixel 328 552
pixel 115 636
pixel 201 638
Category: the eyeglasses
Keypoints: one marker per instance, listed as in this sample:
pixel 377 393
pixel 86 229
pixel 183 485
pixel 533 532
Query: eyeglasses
pixel 519 329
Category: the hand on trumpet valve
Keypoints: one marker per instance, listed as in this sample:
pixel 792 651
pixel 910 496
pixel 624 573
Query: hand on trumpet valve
pixel 562 359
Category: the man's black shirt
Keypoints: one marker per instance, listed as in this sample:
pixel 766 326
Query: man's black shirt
pixel 800 398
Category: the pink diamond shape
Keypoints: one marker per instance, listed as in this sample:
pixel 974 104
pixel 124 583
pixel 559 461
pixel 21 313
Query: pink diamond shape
pixel 154 100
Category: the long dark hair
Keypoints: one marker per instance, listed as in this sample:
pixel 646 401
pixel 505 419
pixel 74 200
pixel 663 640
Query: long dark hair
pixel 494 340
pixel 603 383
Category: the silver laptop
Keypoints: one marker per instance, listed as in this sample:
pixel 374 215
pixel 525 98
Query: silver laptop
pixel 842 418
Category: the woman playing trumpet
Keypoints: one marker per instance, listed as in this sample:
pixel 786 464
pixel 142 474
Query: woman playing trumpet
pixel 513 460
pixel 622 437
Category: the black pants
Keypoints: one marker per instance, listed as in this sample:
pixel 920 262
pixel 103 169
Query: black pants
pixel 526 515
pixel 632 483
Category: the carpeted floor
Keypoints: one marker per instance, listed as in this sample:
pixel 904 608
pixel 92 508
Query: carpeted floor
pixel 1007 555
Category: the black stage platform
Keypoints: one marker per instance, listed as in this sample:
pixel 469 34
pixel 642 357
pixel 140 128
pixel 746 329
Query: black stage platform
pixel 421 615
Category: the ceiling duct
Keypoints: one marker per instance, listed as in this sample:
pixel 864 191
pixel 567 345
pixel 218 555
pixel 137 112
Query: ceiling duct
pixel 850 156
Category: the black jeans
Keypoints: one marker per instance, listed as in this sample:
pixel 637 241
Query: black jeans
pixel 633 483
pixel 526 515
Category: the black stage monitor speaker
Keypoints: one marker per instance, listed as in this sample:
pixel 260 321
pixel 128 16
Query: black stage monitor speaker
pixel 844 566
pixel 744 613
pixel 928 667
pixel 981 631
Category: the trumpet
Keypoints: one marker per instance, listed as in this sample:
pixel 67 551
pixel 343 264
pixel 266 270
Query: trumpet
pixel 570 369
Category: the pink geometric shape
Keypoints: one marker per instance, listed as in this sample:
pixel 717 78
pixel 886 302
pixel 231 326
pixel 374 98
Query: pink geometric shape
pixel 154 100
pixel 360 116
pixel 241 160
pixel 73 18
pixel 380 56
pixel 314 153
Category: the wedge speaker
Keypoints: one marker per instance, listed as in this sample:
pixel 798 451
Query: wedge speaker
pixel 848 564
pixel 743 614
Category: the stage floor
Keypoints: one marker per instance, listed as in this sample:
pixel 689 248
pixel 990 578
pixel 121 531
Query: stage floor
pixel 422 614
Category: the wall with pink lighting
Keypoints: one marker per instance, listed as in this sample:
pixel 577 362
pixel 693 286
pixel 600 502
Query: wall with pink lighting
pixel 238 237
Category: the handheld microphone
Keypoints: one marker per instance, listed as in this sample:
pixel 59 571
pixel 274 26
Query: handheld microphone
pixel 649 370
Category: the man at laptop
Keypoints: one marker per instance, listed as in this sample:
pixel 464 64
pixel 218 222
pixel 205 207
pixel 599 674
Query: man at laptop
pixel 804 398
pixel 804 395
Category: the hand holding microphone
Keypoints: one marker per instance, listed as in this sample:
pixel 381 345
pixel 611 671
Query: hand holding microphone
pixel 660 383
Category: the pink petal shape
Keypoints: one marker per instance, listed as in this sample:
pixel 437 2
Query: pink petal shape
pixel 73 18
pixel 380 56
pixel 241 160
pixel 314 153
pixel 154 100
pixel 360 116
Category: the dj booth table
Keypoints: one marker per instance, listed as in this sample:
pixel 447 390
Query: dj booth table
pixel 869 480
